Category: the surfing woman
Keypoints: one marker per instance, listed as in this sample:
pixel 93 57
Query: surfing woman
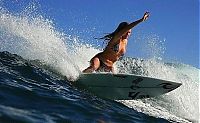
pixel 116 47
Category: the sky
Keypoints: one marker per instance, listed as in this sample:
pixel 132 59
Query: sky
pixel 171 32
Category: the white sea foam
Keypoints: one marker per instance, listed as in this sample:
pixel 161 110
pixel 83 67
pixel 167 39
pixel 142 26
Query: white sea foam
pixel 182 104
pixel 36 38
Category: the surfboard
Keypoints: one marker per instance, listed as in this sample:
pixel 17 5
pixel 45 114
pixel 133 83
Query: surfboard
pixel 124 86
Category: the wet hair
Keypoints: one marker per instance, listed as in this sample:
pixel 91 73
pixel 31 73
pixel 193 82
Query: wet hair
pixel 109 36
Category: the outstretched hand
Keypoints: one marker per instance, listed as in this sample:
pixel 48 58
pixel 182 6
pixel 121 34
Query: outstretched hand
pixel 146 16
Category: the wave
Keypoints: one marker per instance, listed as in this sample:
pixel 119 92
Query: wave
pixel 37 44
pixel 31 93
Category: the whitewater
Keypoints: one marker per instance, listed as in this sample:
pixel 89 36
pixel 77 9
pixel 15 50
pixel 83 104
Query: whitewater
pixel 36 40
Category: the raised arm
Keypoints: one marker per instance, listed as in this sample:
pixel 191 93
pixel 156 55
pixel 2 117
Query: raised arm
pixel 131 25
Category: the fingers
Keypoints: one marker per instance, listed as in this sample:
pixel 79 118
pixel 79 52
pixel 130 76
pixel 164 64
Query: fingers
pixel 146 16
pixel 147 13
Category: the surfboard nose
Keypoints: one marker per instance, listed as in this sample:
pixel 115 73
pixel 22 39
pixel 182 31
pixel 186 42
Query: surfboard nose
pixel 170 86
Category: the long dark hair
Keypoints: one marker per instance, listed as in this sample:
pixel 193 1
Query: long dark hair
pixel 109 36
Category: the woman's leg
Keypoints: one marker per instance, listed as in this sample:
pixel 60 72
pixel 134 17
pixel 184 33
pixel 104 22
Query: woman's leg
pixel 94 65
pixel 104 68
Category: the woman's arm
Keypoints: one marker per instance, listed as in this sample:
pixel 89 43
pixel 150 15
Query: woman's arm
pixel 131 25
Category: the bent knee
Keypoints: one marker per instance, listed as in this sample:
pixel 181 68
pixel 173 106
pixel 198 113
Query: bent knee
pixel 95 63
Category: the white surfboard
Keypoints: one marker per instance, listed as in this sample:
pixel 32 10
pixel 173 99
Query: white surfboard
pixel 124 86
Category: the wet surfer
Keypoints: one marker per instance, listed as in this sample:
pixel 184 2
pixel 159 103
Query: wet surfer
pixel 116 47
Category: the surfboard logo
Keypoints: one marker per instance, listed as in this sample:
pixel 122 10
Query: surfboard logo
pixel 134 95
pixel 168 86
pixel 137 95
pixel 135 83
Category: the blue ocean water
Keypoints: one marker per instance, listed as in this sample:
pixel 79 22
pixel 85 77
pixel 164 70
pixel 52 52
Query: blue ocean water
pixel 36 62
pixel 29 93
